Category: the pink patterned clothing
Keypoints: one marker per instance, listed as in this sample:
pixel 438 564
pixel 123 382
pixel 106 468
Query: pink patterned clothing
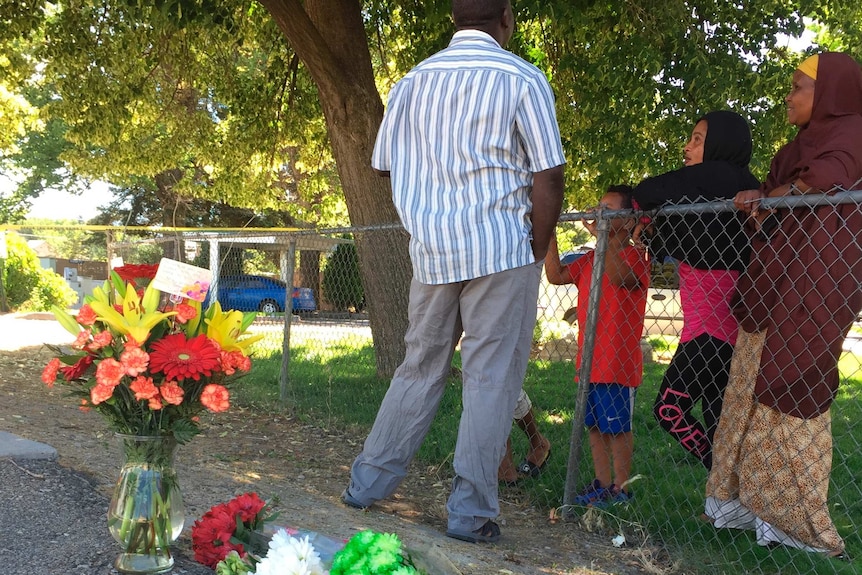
pixel 705 296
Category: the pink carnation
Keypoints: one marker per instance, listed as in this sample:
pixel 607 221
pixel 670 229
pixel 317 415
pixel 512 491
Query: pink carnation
pixel 82 339
pixel 100 340
pixel 49 374
pixel 185 312
pixel 101 392
pixel 109 372
pixel 86 315
pixel 134 360
pixel 233 360
pixel 215 398
pixel 144 388
pixel 171 393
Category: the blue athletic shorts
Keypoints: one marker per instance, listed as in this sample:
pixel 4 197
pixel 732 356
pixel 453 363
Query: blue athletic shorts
pixel 610 407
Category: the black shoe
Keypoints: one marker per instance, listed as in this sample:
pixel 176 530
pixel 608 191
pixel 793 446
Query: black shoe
pixel 487 533
pixel 351 501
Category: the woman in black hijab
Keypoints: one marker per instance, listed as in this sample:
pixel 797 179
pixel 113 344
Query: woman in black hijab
pixel 712 249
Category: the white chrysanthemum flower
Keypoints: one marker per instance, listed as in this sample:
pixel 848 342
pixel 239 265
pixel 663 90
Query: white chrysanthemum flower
pixel 305 550
pixel 281 539
pixel 290 556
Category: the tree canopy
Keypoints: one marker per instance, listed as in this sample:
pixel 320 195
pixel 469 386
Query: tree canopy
pixel 212 91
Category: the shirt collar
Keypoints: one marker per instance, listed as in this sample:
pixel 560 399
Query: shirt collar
pixel 472 35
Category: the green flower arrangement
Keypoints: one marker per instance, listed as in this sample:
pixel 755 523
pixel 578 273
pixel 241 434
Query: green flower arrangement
pixel 370 553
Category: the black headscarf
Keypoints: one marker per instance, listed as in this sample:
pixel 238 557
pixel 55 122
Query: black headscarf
pixel 709 241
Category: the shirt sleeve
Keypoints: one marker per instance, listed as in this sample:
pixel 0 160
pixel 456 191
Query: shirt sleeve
pixel 536 120
pixel 381 157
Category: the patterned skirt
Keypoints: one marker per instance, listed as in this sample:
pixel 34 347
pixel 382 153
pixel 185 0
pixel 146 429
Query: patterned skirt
pixel 770 470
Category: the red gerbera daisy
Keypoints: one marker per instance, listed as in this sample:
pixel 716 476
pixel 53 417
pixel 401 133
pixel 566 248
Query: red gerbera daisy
pixel 180 358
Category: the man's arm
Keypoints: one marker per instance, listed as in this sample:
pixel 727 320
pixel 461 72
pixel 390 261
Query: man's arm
pixel 557 273
pixel 547 203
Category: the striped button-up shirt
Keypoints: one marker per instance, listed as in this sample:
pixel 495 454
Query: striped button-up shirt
pixel 462 135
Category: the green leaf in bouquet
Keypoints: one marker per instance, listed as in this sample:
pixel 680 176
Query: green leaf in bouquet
pixel 184 430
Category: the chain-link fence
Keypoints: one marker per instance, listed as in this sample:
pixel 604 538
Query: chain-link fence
pixel 319 358
pixel 784 455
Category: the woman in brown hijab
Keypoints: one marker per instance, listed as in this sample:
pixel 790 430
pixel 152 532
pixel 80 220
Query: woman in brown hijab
pixel 795 303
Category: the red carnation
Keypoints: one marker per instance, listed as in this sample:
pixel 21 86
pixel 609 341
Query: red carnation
pixel 211 536
pixel 247 506
pixel 73 372
pixel 180 358
pixel 132 272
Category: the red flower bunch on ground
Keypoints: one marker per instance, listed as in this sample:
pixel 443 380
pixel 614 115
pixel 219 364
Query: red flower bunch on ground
pixel 228 527
pixel 150 369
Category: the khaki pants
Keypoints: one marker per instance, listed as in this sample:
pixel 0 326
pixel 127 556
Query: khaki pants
pixel 497 315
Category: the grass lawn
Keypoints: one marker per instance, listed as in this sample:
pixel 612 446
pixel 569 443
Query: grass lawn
pixel 335 385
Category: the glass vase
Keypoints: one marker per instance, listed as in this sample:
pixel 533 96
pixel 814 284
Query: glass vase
pixel 146 513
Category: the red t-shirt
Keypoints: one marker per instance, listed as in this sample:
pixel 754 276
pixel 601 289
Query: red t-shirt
pixel 617 356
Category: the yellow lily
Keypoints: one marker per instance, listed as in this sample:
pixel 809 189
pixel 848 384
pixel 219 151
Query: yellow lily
pixel 227 327
pixel 138 317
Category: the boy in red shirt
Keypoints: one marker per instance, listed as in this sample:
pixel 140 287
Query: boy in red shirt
pixel 617 368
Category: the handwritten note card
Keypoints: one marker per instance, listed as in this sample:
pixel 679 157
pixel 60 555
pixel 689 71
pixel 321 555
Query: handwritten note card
pixel 183 280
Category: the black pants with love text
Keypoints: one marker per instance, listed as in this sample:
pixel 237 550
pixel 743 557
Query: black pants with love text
pixel 697 374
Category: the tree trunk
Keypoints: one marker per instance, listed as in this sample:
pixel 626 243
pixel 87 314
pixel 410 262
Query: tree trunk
pixel 309 272
pixel 340 64
pixel 174 210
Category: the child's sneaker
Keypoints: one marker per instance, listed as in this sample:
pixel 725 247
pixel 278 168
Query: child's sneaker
pixel 592 495
pixel 615 496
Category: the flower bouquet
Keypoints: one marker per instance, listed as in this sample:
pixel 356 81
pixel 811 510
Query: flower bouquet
pixel 150 365
pixel 232 538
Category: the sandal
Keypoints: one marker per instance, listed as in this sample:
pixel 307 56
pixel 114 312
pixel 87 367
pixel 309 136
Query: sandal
pixel 487 533
pixel 530 469
pixel 838 555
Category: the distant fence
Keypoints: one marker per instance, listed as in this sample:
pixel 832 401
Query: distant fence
pixel 312 309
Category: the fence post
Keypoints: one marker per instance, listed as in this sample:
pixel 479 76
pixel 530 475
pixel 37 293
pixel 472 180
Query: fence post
pixel 284 376
pixel 576 442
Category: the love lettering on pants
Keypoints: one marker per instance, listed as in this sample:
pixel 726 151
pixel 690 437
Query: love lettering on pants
pixel 689 436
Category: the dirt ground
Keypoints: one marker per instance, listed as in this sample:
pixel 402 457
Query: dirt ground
pixel 304 467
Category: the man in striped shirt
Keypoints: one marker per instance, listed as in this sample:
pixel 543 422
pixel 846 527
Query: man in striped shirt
pixel 471 143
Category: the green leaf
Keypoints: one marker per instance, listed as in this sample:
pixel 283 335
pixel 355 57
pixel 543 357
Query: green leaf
pixel 184 431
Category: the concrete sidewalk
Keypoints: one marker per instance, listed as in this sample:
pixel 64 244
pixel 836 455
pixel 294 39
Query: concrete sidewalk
pixel 14 447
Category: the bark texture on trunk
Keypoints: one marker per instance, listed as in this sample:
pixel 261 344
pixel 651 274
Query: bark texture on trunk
pixel 329 37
